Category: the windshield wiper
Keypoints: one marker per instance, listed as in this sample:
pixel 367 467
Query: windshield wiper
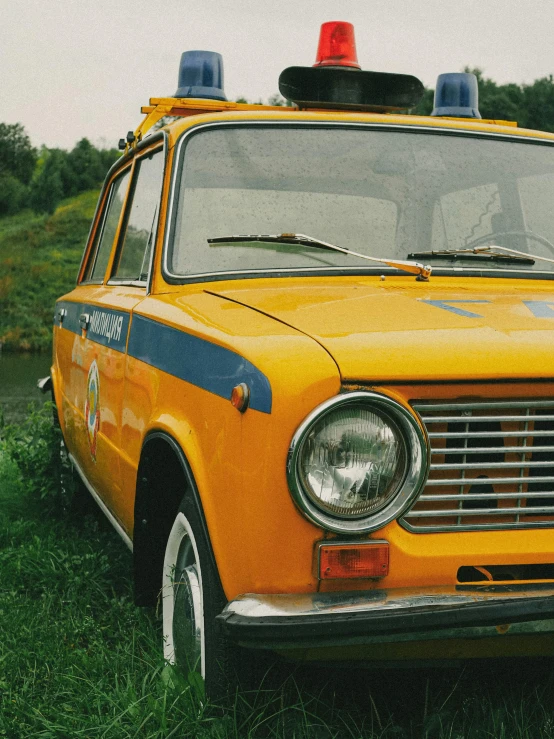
pixel 423 272
pixel 502 254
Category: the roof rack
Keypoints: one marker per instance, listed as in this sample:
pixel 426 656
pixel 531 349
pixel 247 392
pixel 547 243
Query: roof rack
pixel 160 108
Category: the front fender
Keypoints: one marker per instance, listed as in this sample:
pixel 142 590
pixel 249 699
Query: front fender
pixel 260 540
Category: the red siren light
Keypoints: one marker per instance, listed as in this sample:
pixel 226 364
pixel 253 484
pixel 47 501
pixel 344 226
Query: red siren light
pixel 337 46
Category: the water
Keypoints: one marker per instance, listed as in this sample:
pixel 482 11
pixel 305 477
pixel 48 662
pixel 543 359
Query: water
pixel 18 383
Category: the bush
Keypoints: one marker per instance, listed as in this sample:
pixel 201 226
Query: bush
pixel 32 459
pixel 13 194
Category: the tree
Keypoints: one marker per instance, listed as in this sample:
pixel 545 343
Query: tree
pixel 425 105
pixel 13 194
pixel 17 156
pixel 86 170
pixel 47 188
pixel 498 102
pixel 538 104
pixel 276 99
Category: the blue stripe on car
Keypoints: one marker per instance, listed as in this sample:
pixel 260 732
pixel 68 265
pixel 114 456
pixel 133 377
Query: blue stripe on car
pixel 107 327
pixel 195 360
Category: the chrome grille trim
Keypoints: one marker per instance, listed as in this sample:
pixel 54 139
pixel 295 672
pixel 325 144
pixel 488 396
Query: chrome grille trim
pixel 483 496
pixel 492 404
pixel 470 482
pixel 466 456
pixel 546 510
pixel 491 465
pixel 485 434
pixel 493 449
pixel 476 419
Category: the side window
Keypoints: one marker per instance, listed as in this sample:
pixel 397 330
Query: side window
pixel 105 235
pixel 142 216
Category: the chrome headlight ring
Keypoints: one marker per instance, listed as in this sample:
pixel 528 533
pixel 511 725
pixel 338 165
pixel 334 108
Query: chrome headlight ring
pixel 416 468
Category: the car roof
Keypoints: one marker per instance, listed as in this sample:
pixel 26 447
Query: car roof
pixel 276 115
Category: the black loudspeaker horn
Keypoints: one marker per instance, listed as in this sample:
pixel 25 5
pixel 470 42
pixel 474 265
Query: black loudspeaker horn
pixel 343 88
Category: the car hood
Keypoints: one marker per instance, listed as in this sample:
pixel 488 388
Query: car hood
pixel 400 329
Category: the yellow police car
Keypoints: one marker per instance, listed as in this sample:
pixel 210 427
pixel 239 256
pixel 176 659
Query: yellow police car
pixel 308 370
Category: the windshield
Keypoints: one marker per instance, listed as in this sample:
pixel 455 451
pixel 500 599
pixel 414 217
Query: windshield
pixel 379 192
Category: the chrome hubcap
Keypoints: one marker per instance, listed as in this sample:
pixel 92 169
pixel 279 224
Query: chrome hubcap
pixel 187 613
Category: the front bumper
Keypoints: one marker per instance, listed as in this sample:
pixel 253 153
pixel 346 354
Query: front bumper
pixel 291 621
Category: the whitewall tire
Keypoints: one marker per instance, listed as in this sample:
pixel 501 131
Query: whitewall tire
pixel 182 600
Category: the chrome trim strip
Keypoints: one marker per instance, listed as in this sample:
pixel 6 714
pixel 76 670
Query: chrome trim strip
pixel 493 465
pixel 413 482
pixel 456 528
pixel 292 605
pixel 470 482
pixel 465 512
pixel 486 434
pixel 487 405
pixel 481 419
pixel 115 282
pixel 291 122
pixel 491 450
pixel 487 496
pixel 388 616
pixel 105 510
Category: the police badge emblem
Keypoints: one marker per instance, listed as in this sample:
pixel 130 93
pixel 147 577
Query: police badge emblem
pixel 92 407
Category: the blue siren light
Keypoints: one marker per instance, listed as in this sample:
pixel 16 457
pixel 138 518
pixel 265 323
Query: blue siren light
pixel 201 75
pixel 457 96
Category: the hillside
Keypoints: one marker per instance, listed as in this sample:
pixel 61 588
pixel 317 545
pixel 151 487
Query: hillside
pixel 39 259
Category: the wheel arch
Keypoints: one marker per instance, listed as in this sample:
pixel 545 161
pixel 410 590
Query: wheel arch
pixel 164 477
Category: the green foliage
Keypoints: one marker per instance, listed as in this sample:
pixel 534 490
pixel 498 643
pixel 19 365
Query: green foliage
pixel 47 188
pixel 13 194
pixel 17 163
pixel 39 260
pixel 425 105
pixel 538 104
pixel 60 174
pixel 17 156
pixel 274 99
pixel 52 176
pixel 86 167
pixel 33 447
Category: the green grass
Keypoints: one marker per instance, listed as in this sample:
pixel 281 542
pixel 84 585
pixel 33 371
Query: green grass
pixel 78 659
pixel 39 260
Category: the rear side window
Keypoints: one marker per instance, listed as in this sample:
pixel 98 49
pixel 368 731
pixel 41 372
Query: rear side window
pixel 141 220
pixel 106 233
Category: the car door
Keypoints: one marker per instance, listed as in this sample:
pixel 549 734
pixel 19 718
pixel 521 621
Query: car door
pixel 75 354
pixel 98 312
pixel 127 286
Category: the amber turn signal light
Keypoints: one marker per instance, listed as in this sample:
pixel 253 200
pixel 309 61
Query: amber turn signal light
pixel 352 561
pixel 240 397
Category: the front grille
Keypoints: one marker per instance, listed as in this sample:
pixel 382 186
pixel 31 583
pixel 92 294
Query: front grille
pixel 492 466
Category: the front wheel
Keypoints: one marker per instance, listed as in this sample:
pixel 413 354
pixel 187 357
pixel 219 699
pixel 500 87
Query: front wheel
pixel 192 597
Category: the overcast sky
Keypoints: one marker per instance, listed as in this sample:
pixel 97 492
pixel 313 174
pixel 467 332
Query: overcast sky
pixel 74 68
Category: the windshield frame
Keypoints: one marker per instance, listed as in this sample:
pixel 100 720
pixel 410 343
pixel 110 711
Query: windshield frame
pixel 438 270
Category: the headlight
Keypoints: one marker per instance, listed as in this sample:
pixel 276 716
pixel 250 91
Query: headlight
pixel 357 462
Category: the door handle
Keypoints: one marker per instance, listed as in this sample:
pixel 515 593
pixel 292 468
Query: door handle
pixel 84 321
pixel 60 315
